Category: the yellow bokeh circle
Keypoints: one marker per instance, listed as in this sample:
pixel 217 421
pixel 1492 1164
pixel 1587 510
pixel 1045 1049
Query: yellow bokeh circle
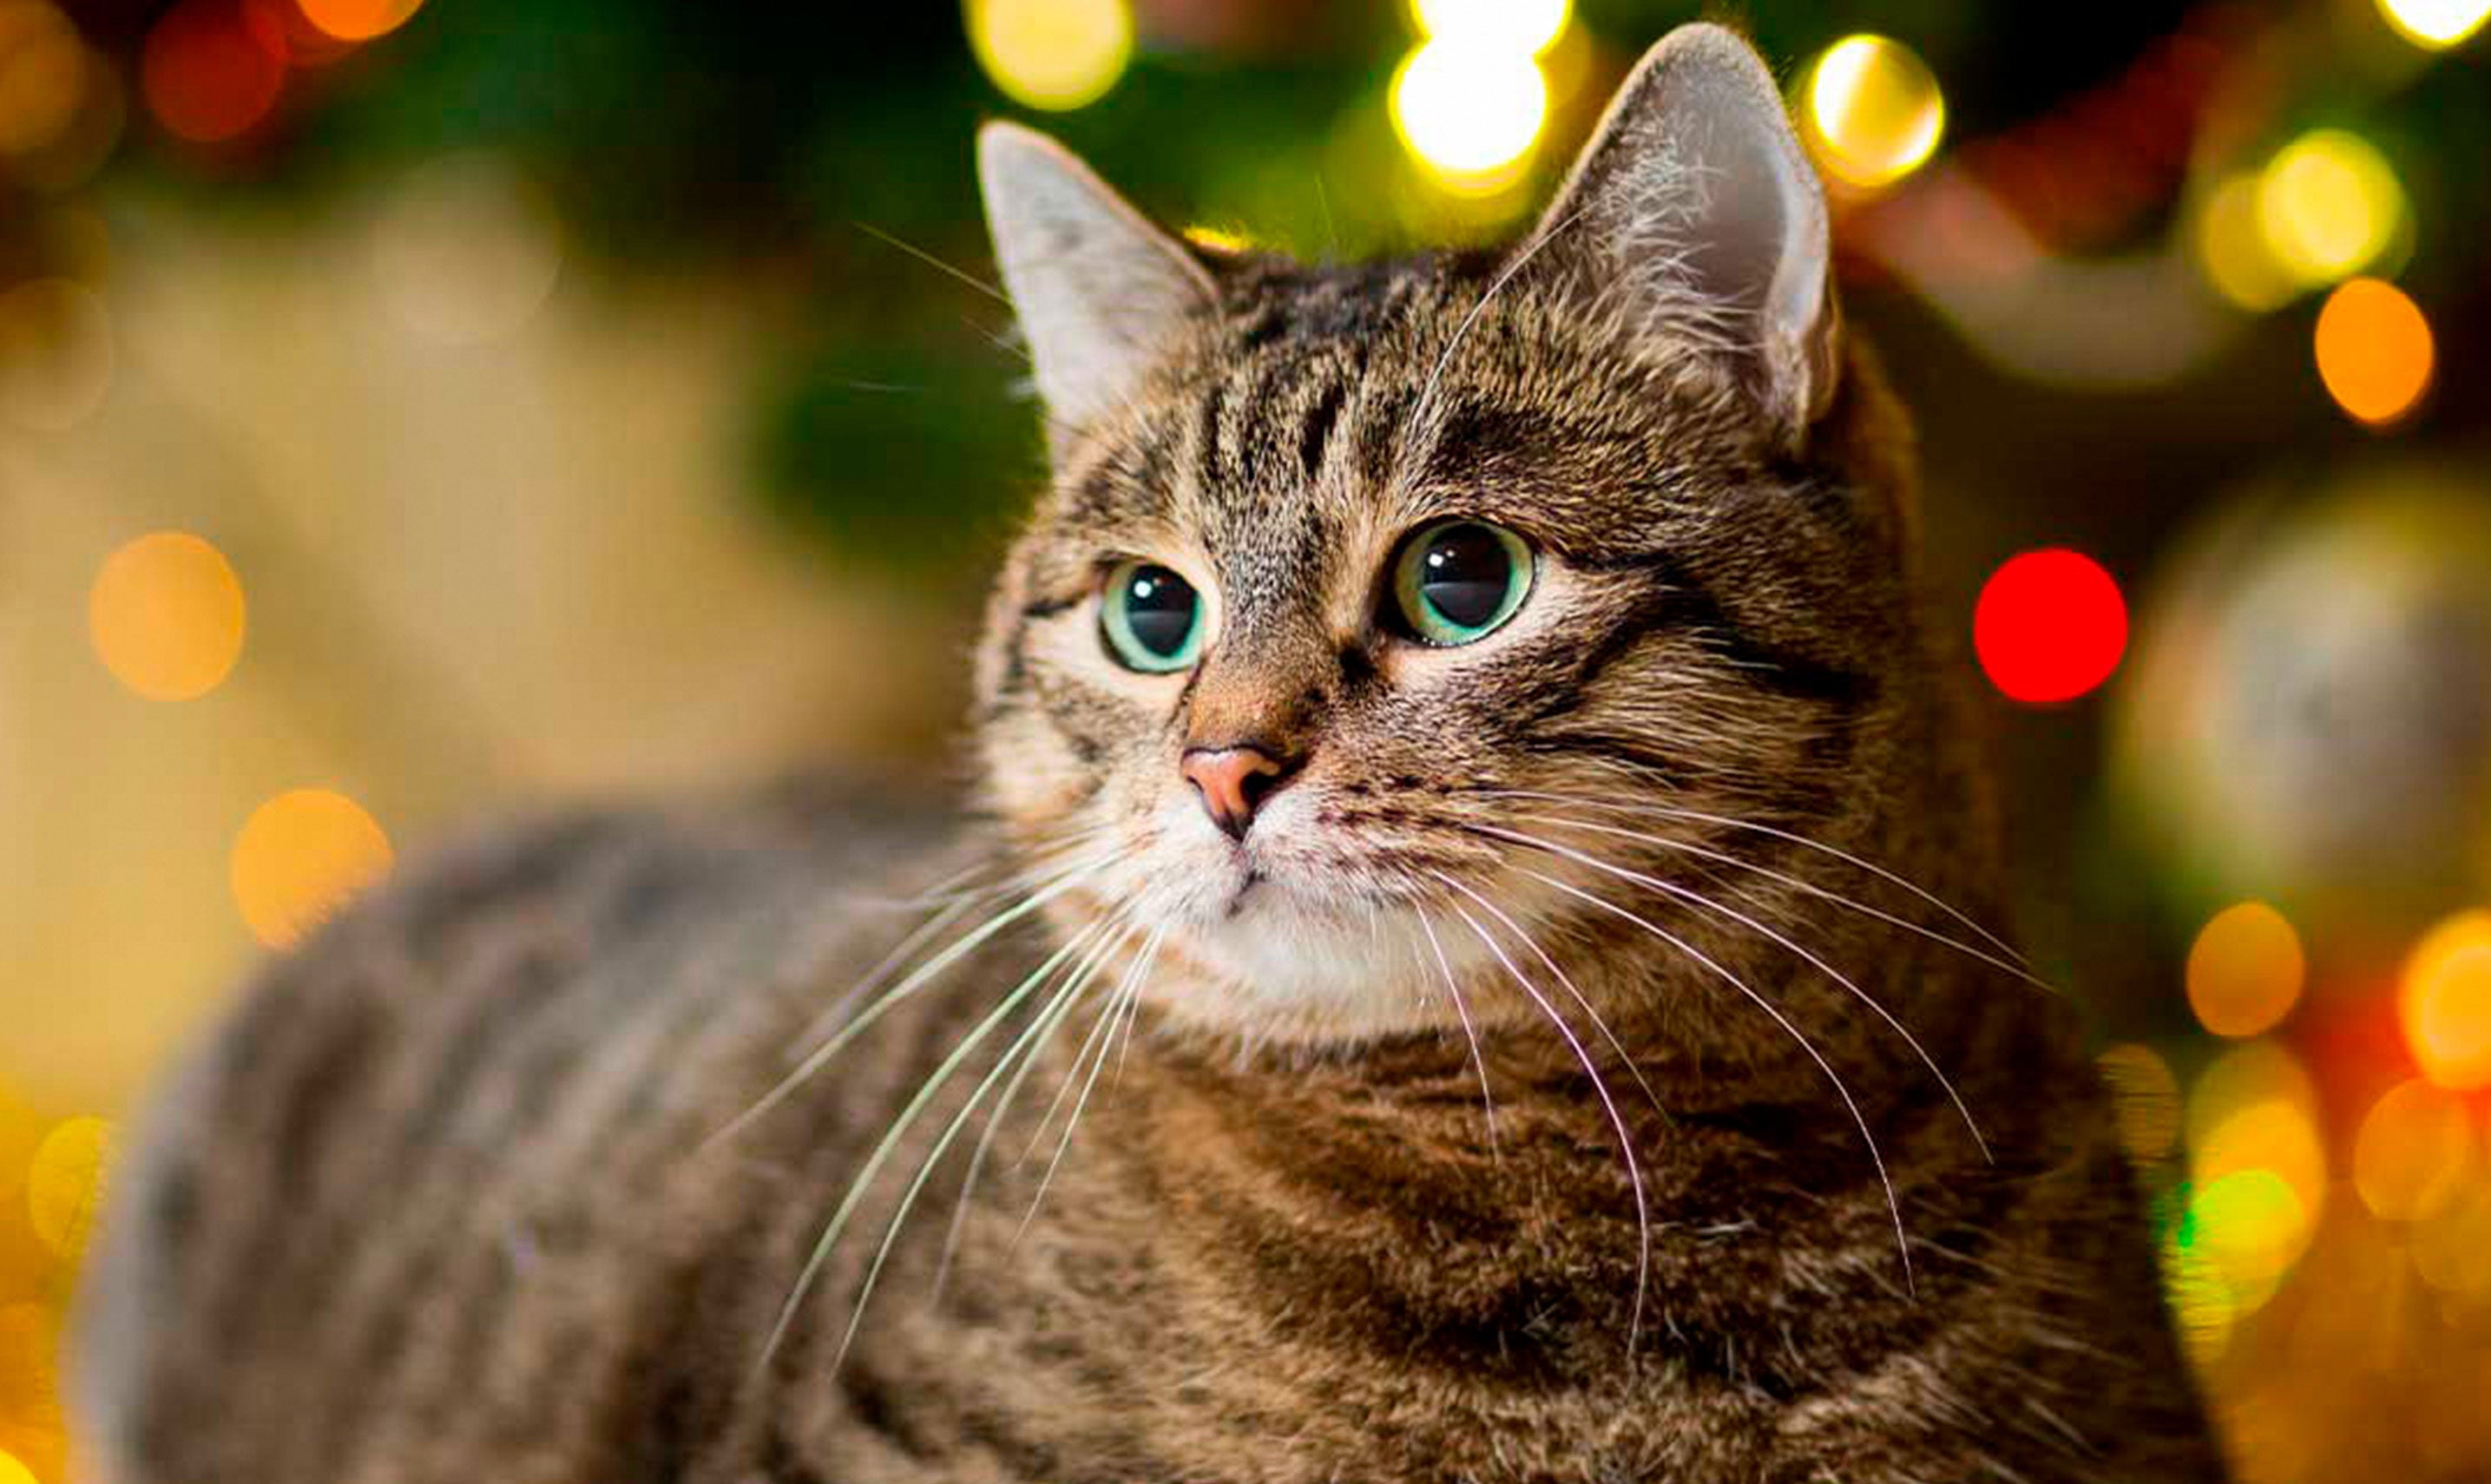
pixel 1470 112
pixel 1527 26
pixel 1053 54
pixel 2435 24
pixel 2245 970
pixel 1874 113
pixel 2444 1002
pixel 300 858
pixel 2330 205
pixel 166 616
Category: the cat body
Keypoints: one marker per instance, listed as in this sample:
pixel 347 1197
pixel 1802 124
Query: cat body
pixel 1476 961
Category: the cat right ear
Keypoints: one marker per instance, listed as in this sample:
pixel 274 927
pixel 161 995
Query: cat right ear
pixel 1694 216
pixel 1102 294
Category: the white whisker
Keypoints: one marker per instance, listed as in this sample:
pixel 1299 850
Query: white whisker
pixel 1706 903
pixel 1129 990
pixel 1893 1203
pixel 863 1180
pixel 1617 1120
pixel 1795 883
pixel 1070 877
pixel 1479 1058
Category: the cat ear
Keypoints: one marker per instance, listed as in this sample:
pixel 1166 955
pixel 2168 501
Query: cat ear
pixel 1101 292
pixel 1693 214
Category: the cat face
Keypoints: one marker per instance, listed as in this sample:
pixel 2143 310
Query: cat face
pixel 1363 600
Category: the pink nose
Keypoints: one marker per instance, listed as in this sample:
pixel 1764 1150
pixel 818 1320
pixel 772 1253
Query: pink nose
pixel 1232 781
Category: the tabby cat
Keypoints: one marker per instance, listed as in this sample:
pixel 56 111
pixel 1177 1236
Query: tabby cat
pixel 1479 961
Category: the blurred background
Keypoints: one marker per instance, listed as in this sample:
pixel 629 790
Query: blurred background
pixel 410 411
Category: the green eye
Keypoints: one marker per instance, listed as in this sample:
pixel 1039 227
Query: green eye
pixel 1151 618
pixel 1458 581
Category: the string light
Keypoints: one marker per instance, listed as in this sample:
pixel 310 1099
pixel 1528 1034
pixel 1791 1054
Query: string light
pixel 2050 626
pixel 166 616
pixel 1469 111
pixel 1874 112
pixel 2375 352
pixel 1052 54
pixel 2444 1002
pixel 2435 24
pixel 2245 970
pixel 300 858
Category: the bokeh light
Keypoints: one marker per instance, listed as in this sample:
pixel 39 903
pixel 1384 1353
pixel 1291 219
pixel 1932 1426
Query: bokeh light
pixel 206 77
pixel 2232 248
pixel 2374 351
pixel 2250 1225
pixel 359 21
pixel 1874 112
pixel 2257 1167
pixel 2330 205
pixel 2411 1156
pixel 44 74
pixel 2435 24
pixel 1470 112
pixel 65 1185
pixel 2451 1249
pixel 1053 54
pixel 2245 970
pixel 466 250
pixel 12 1472
pixel 2444 1002
pixel 1527 26
pixel 2049 627
pixel 2145 1099
pixel 56 354
pixel 301 856
pixel 166 616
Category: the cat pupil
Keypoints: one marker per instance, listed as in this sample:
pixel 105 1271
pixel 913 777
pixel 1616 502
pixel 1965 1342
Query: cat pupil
pixel 1465 575
pixel 1158 609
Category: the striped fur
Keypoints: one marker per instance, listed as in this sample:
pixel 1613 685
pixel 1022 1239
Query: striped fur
pixel 443 1198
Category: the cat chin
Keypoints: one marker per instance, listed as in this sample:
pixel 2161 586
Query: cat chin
pixel 1282 966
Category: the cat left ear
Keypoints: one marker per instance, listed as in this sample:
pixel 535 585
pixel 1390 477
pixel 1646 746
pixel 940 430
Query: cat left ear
pixel 1102 294
pixel 1694 214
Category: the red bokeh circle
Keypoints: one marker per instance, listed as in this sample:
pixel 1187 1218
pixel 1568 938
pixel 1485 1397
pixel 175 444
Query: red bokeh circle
pixel 206 76
pixel 2050 626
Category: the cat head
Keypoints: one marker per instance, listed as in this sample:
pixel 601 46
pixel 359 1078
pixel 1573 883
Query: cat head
pixel 1377 617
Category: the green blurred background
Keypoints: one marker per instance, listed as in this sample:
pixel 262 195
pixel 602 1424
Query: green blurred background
pixel 412 410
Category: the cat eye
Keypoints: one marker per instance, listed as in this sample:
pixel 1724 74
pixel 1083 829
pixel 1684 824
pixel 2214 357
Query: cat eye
pixel 1151 618
pixel 1458 581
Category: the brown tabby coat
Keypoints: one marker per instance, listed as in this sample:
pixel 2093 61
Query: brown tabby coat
pixel 442 1202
